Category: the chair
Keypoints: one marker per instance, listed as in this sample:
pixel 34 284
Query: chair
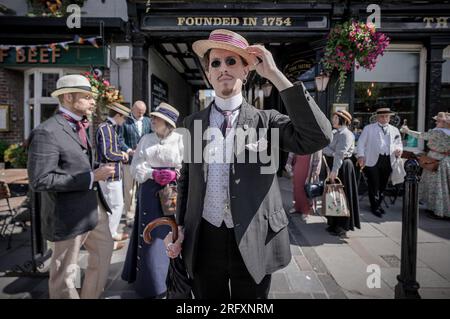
pixel 7 221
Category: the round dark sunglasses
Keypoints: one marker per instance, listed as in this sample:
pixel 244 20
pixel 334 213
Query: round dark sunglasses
pixel 228 61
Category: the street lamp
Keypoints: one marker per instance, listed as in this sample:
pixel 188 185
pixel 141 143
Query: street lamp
pixel 267 88
pixel 321 81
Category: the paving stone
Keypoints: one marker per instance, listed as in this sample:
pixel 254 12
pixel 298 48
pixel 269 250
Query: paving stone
pixel 295 295
pixel 333 290
pixel 318 295
pixel 302 263
pixel 279 283
pixel 305 281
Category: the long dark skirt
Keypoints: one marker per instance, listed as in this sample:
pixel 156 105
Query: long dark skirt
pixel 347 176
pixel 147 265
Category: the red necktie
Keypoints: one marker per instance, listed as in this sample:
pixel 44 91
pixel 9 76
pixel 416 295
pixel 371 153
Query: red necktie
pixel 81 127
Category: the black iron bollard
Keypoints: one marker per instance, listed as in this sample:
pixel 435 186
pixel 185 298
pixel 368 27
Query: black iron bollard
pixel 407 287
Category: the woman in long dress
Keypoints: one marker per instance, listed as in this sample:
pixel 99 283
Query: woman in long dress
pixel 434 187
pixel 338 156
pixel 156 163
pixel 303 168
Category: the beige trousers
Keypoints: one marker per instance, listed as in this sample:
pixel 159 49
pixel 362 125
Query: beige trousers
pixel 64 262
pixel 129 191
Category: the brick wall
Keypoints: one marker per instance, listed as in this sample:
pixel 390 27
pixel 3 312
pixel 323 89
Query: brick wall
pixel 11 94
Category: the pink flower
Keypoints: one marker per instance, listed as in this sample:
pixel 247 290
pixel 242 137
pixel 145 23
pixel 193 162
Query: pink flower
pixel 106 83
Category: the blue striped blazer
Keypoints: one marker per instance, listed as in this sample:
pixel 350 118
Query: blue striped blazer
pixel 109 148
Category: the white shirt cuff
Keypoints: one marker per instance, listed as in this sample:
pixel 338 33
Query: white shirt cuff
pixel 92 180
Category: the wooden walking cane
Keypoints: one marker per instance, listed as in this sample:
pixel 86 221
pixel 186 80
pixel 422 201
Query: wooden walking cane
pixel 178 283
pixel 158 222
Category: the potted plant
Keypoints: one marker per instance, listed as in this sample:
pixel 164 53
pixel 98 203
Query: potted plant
pixel 16 155
pixel 106 93
pixel 352 43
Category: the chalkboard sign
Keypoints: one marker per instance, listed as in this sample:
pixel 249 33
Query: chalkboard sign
pixel 159 92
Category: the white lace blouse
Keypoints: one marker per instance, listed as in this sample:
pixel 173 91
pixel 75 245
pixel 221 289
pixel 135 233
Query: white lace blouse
pixel 153 152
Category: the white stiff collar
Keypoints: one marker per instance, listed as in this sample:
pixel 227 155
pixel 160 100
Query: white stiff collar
pixel 71 114
pixel 230 103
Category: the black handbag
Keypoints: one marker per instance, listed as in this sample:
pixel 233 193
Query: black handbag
pixel 178 283
pixel 314 190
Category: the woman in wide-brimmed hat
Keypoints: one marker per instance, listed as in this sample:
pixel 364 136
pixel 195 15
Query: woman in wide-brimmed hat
pixel 338 156
pixel 434 187
pixel 156 163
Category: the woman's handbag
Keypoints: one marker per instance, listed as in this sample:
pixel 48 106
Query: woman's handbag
pixel 398 171
pixel 334 201
pixel 428 163
pixel 314 187
pixel 168 198
pixel 314 190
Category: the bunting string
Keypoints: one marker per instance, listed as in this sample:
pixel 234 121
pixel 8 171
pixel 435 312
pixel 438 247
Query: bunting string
pixel 52 46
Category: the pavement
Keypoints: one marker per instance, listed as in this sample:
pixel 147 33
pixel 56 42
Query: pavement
pixel 363 266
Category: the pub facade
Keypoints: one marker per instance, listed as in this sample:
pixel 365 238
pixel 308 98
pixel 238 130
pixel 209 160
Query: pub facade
pixel 148 54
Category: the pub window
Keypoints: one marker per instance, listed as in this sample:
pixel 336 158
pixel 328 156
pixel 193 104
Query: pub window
pixel 398 82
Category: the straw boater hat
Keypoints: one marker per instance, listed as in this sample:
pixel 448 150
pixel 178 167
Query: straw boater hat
pixel 227 40
pixel 383 111
pixel 442 116
pixel 345 115
pixel 73 83
pixel 119 108
pixel 166 112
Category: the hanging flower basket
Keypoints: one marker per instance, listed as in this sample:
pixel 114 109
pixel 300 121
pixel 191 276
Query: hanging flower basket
pixel 106 93
pixel 351 43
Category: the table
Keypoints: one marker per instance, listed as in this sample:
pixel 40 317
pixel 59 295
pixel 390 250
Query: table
pixel 14 175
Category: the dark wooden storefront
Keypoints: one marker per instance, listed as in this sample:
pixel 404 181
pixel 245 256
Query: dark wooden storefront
pixel 299 30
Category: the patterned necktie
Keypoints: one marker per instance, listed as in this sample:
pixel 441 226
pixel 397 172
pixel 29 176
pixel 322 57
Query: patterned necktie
pixel 81 127
pixel 226 124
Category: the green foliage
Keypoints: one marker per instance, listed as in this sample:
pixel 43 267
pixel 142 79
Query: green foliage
pixel 16 154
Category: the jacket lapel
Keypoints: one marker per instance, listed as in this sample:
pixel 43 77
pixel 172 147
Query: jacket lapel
pixel 69 130
pixel 134 125
pixel 203 116
pixel 245 122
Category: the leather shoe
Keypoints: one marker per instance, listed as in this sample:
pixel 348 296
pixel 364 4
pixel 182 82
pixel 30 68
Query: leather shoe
pixel 120 237
pixel 330 229
pixel 377 213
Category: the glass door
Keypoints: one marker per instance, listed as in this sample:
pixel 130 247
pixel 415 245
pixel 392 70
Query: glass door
pixel 39 105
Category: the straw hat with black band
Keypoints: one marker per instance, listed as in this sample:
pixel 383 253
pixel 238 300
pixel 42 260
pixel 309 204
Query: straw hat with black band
pixel 345 115
pixel 383 111
pixel 166 112
pixel 119 108
pixel 73 83
pixel 226 40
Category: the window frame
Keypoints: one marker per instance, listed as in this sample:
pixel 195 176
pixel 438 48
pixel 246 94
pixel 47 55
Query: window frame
pixel 421 98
